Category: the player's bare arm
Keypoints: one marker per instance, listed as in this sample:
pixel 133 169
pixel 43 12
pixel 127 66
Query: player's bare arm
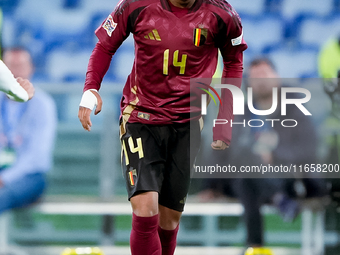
pixel 90 99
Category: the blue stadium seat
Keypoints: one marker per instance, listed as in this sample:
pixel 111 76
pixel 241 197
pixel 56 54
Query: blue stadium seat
pixel 58 25
pixel 262 32
pixel 293 8
pixel 38 8
pixel 71 4
pixel 336 6
pixel 296 62
pixel 122 61
pixel 8 6
pixel 68 26
pixel 248 7
pixel 316 31
pixel 9 31
pixel 67 65
pixel 273 6
pixel 90 6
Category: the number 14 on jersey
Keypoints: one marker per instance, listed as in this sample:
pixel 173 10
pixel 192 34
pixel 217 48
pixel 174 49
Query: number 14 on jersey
pixel 181 64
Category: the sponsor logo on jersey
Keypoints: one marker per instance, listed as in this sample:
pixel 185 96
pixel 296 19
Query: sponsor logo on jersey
pixel 200 36
pixel 109 25
pixel 238 40
pixel 131 174
pixel 143 115
pixel 153 35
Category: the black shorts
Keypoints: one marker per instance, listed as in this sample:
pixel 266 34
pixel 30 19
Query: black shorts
pixel 160 158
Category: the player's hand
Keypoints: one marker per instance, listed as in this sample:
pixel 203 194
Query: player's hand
pixel 27 85
pixel 87 104
pixel 219 145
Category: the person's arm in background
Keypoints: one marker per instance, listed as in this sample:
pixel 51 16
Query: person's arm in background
pixel 20 90
pixel 36 151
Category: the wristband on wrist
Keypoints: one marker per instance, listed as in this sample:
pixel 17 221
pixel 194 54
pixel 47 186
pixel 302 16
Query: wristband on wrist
pixel 89 100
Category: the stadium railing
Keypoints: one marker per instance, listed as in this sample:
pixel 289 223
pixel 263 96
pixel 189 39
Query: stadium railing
pixel 312 233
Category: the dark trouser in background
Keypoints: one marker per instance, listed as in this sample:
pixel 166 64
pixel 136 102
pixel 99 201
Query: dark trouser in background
pixel 253 193
pixel 22 192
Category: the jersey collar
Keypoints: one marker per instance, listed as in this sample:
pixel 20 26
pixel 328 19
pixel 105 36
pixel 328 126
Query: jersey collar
pixel 165 4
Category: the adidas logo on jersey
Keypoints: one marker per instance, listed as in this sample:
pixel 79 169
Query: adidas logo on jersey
pixel 153 35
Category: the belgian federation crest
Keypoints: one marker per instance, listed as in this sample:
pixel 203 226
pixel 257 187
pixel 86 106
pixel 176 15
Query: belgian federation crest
pixel 131 175
pixel 200 36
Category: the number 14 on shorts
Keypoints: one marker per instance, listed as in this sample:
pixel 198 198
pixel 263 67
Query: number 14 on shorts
pixel 133 149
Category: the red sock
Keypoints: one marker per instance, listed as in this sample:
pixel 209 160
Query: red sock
pixel 144 239
pixel 168 240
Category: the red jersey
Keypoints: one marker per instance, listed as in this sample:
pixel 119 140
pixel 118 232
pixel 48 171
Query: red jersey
pixel 169 50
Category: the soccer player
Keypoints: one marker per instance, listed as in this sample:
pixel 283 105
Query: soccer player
pixel 18 89
pixel 175 40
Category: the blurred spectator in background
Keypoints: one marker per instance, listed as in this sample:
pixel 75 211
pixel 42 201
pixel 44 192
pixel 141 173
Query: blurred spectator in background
pixel 269 144
pixel 329 70
pixel 27 134
pixel 329 59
